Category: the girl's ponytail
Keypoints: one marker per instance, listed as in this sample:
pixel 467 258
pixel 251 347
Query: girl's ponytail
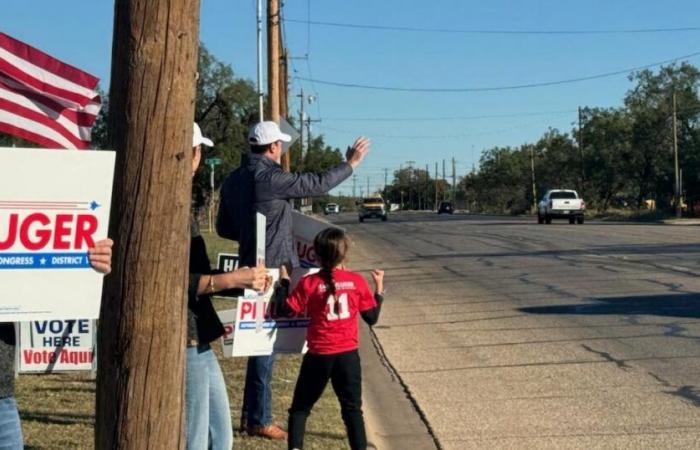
pixel 330 246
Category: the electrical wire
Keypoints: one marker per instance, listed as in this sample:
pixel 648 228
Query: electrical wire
pixel 439 119
pixel 432 137
pixel 502 88
pixel 308 22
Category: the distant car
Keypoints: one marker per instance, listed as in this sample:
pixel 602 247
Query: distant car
pixel 561 204
pixel 372 207
pixel 331 208
pixel 445 208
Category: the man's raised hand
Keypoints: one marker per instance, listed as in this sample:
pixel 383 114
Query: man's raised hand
pixel 357 152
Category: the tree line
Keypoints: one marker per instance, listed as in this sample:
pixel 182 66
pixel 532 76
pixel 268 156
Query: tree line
pixel 617 158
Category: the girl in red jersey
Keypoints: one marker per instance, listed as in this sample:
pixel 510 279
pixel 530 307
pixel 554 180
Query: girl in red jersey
pixel 333 299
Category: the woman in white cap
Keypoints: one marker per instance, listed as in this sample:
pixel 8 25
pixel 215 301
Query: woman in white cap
pixel 208 414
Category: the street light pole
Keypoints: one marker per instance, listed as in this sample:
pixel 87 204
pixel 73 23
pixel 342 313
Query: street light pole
pixel 679 209
pixel 261 93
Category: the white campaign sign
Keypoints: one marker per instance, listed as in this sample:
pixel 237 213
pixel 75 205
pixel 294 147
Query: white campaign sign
pixel 277 334
pixel 305 228
pixel 258 331
pixel 49 346
pixel 228 320
pixel 53 205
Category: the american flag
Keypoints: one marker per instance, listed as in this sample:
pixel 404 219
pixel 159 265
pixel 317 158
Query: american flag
pixel 44 100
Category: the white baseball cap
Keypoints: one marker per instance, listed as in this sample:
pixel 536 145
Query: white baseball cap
pixel 198 139
pixel 264 133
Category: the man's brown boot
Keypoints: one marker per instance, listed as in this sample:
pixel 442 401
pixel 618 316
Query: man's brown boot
pixel 270 432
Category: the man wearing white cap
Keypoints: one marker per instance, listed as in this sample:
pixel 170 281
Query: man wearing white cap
pixel 261 185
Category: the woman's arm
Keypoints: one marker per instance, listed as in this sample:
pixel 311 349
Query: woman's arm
pixel 245 277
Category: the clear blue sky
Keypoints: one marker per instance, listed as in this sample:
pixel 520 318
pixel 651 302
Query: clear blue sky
pixel 80 32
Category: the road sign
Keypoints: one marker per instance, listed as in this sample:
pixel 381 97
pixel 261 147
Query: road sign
pixel 213 161
pixel 287 128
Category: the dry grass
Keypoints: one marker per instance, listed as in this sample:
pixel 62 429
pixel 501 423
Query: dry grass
pixel 58 410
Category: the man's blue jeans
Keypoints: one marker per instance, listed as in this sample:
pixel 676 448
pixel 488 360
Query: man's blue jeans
pixel 10 428
pixel 208 413
pixel 257 394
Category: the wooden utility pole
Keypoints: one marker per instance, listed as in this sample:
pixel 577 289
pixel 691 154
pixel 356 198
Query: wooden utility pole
pixel 427 186
pixel 454 182
pixel 140 374
pixel 436 185
pixel 273 59
pixel 443 177
pixel 534 186
pixel 678 193
pixel 302 120
pixel 284 99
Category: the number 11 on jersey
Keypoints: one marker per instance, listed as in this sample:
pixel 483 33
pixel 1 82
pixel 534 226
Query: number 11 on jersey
pixel 343 310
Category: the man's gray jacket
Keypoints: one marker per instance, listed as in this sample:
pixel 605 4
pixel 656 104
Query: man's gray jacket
pixel 261 185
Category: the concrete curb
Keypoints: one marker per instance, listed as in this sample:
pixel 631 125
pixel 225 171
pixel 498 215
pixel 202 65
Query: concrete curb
pixel 394 419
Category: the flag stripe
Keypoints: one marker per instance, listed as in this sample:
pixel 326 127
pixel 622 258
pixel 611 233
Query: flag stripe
pixel 39 85
pixel 43 119
pixel 27 135
pixel 47 62
pixel 35 129
pixel 84 116
pixel 43 99
pixel 74 122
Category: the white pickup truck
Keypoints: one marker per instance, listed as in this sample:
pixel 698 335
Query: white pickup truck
pixel 561 204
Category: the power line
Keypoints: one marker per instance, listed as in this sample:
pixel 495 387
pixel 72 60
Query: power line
pixel 438 118
pixel 500 88
pixel 358 26
pixel 435 136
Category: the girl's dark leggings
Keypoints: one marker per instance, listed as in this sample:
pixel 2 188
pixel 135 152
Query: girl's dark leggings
pixel 343 369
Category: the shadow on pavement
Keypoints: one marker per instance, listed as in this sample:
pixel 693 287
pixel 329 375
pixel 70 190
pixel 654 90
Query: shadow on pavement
pixel 667 305
pixel 600 250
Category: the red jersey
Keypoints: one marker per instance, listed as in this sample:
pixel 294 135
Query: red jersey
pixel 332 330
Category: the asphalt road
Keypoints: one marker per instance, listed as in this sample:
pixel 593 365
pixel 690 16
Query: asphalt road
pixel 509 334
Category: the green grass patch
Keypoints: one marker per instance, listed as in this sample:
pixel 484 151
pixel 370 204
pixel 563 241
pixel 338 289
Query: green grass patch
pixel 58 411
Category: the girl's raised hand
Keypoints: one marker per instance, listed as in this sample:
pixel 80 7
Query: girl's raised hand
pixel 378 278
